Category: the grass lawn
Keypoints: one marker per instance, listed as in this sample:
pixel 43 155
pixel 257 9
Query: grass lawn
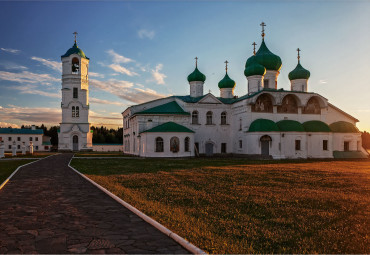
pixel 7 167
pixel 239 206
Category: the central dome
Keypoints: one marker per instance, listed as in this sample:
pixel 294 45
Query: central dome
pixel 268 59
pixel 75 50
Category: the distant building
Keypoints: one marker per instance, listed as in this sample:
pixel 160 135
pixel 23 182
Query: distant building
pixel 24 136
pixel 74 133
pixel 267 121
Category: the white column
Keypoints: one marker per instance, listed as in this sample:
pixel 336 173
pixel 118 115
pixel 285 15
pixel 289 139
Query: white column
pixel 14 149
pixel 23 148
pixel 31 148
pixel 2 149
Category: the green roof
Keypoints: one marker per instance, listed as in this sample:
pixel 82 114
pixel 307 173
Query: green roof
pixel 268 59
pixel 290 125
pixel 316 126
pixel 252 67
pixel 226 82
pixel 343 127
pixel 169 108
pixel 169 127
pixel 21 131
pixel 349 154
pixel 75 50
pixel 196 76
pixel 299 73
pixel 263 125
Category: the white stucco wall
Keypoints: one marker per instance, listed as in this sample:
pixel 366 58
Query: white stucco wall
pixel 107 147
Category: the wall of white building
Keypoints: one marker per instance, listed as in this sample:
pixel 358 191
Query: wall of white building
pixel 26 138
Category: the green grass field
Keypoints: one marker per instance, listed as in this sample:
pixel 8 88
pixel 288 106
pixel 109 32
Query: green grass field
pixel 240 206
pixel 7 167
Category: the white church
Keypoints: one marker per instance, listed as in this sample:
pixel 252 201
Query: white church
pixel 267 122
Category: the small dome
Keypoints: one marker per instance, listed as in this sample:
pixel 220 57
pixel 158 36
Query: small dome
pixel 268 59
pixel 75 50
pixel 299 73
pixel 226 82
pixel 196 76
pixel 253 68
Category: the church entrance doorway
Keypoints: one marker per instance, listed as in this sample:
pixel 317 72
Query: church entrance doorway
pixel 75 143
pixel 265 145
pixel 209 149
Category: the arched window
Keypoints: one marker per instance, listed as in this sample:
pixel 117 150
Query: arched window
pixel 159 144
pixel 194 117
pixel 263 104
pixel 187 144
pixel 312 107
pixel 75 65
pixel 73 112
pixel 209 118
pixel 223 118
pixel 77 111
pixel 288 105
pixel 175 144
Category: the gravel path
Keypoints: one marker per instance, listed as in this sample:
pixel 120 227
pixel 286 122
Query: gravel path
pixel 48 208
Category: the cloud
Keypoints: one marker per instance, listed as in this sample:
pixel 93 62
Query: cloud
pixel 28 77
pixel 102 101
pixel 125 90
pixel 92 74
pixel 157 76
pixel 6 125
pixel 120 69
pixel 10 50
pixel 118 58
pixel 143 33
pixel 30 115
pixel 55 65
pixel 31 89
pixel 12 66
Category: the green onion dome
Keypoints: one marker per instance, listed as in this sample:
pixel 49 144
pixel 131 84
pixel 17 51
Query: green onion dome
pixel 196 76
pixel 299 73
pixel 226 82
pixel 253 68
pixel 268 59
pixel 75 50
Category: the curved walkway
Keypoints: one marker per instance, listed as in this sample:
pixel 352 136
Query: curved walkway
pixel 48 208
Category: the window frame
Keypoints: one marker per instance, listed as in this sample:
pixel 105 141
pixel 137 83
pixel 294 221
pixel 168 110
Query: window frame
pixel 195 117
pixel 223 118
pixel 297 145
pixel 209 118
pixel 159 144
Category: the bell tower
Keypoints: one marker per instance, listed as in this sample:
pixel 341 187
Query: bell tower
pixel 75 132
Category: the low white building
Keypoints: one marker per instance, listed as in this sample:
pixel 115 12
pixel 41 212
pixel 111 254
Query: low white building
pixel 267 121
pixel 20 136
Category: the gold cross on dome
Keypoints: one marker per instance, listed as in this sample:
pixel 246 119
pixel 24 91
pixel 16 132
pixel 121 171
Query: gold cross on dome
pixel 263 29
pixel 75 33
pixel 226 62
pixel 254 48
pixel 298 50
pixel 196 61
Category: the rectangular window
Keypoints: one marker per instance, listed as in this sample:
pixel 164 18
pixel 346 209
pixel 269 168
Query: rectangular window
pixel 9 138
pixel 297 145
pixel 266 83
pixel 30 139
pixel 18 138
pixel 37 148
pixel 19 147
pixel 75 92
pixel 9 147
pixel 196 148
pixel 346 146
pixel 223 147
pixel 325 145
pixel 240 144
pixel 36 139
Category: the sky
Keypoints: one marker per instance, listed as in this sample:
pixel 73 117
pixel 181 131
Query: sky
pixel 142 50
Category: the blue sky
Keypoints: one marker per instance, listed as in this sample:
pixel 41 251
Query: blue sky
pixel 142 50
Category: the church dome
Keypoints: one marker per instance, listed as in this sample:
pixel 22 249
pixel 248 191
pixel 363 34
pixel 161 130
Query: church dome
pixel 253 68
pixel 268 59
pixel 196 76
pixel 75 50
pixel 299 73
pixel 226 82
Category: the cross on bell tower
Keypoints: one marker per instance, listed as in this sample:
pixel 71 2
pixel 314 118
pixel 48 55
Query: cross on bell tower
pixel 75 33
pixel 263 29
pixel 226 62
pixel 196 62
pixel 254 48
pixel 299 57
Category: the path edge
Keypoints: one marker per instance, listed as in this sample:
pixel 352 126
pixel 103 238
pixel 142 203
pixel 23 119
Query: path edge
pixel 16 170
pixel 184 243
